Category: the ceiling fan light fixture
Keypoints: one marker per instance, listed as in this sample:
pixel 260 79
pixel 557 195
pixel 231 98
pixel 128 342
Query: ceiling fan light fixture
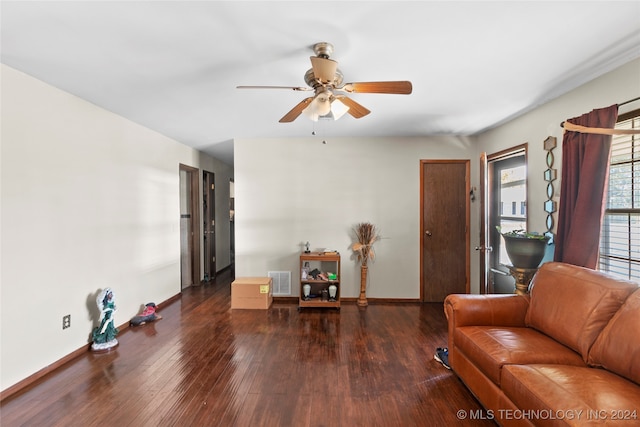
pixel 320 106
pixel 326 107
pixel 338 109
pixel 312 116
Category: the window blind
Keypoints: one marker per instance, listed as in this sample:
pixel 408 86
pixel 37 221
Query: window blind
pixel 620 234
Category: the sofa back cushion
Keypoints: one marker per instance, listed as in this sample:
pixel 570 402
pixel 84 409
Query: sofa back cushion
pixel 573 304
pixel 617 348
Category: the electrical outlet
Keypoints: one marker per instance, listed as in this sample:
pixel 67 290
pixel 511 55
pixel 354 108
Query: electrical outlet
pixel 66 321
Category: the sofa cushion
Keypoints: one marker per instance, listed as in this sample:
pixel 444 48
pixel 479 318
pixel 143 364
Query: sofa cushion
pixel 573 304
pixel 617 348
pixel 490 348
pixel 573 395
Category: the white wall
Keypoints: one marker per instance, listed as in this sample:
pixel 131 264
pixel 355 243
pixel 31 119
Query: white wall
pixel 289 191
pixel 534 127
pixel 293 190
pixel 89 200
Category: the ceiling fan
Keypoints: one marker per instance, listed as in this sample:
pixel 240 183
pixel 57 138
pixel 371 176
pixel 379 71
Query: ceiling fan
pixel 326 80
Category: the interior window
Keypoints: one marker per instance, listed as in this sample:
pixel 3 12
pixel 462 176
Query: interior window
pixel 620 234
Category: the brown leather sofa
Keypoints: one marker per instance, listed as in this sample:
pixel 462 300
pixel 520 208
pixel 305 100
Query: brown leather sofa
pixel 567 354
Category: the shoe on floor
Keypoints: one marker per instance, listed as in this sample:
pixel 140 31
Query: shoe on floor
pixel 442 356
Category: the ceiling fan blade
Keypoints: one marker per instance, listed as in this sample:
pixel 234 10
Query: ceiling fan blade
pixel 296 88
pixel 396 87
pixel 296 111
pixel 355 109
pixel 324 69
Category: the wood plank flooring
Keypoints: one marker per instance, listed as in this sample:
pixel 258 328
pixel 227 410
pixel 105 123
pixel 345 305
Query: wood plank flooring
pixel 204 364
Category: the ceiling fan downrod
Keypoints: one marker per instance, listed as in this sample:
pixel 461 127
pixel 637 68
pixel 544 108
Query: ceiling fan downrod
pixel 323 49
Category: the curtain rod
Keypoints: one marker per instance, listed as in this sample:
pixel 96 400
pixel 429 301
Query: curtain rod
pixel 619 105
pixel 600 131
pixel 629 101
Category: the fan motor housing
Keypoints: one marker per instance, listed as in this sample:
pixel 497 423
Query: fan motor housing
pixel 311 80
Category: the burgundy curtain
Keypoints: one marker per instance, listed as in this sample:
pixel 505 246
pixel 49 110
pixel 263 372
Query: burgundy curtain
pixel 585 172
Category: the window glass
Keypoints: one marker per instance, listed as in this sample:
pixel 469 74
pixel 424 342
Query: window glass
pixel 620 235
pixel 513 192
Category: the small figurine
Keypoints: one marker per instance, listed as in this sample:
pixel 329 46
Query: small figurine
pixel 306 245
pixel 333 291
pixel 148 315
pixel 315 273
pixel 104 336
pixel 305 270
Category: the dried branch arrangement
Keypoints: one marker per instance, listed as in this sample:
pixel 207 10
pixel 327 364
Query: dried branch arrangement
pixel 367 235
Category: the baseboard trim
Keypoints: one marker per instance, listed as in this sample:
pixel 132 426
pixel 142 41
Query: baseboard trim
pixel 21 385
pixel 201 281
pixel 294 300
pixel 223 269
pixel 374 301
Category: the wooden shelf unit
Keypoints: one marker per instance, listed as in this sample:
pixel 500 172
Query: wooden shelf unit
pixel 325 263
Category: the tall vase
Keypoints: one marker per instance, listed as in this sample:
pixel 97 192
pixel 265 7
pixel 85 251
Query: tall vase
pixel 362 299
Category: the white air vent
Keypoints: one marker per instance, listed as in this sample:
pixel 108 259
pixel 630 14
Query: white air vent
pixel 281 282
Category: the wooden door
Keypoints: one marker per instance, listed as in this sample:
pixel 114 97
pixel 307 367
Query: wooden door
pixel 208 225
pixel 445 216
pixel 189 227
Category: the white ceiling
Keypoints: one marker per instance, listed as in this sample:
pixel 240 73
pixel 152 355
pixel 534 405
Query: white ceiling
pixel 173 66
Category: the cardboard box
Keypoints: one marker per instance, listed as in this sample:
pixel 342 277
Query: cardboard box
pixel 252 292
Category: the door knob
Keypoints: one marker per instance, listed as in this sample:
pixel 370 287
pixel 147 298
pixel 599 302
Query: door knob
pixel 428 233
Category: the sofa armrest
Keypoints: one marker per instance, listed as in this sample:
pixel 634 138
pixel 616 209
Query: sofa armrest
pixel 485 310
pixel 507 310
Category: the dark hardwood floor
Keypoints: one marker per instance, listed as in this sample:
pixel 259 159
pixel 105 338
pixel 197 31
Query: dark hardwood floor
pixel 204 364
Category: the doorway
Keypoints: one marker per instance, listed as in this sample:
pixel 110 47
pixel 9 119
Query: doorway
pixel 444 228
pixel 209 225
pixel 189 227
pixel 504 206
pixel 232 232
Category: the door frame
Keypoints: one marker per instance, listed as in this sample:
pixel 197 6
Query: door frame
pixel 486 184
pixel 232 228
pixel 485 245
pixel 209 223
pixel 467 163
pixel 194 240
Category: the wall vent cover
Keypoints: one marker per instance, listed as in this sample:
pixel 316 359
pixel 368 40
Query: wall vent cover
pixel 281 282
